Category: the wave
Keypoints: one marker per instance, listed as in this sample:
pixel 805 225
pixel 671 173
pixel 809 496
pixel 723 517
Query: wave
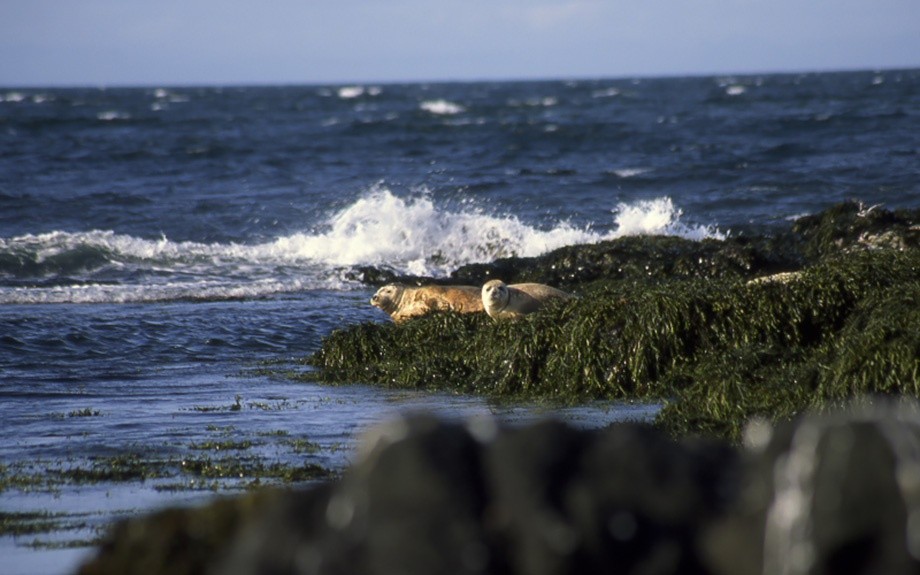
pixel 442 107
pixel 201 291
pixel 630 172
pixel 414 236
pixel 352 92
pixel 405 234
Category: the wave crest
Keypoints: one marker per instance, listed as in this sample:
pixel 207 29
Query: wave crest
pixel 442 107
pixel 415 237
pixel 407 235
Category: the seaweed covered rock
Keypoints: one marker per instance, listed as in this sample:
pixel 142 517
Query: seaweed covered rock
pixel 855 226
pixel 646 257
pixel 831 493
pixel 717 350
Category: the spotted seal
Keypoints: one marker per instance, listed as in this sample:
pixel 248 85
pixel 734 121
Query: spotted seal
pixel 404 302
pixel 501 300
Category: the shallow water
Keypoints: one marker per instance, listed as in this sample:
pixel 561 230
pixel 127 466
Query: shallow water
pixel 197 408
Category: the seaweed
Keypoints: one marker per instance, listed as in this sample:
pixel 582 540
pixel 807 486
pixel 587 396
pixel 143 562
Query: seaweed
pixel 716 350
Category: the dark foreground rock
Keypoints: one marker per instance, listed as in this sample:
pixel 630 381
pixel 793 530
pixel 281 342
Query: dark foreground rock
pixel 827 494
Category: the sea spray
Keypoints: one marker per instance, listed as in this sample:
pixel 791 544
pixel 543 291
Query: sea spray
pixel 408 235
pixel 658 217
pixel 442 107
pixel 413 236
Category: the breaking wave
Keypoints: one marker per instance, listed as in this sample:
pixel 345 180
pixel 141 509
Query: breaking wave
pixel 442 107
pixel 408 235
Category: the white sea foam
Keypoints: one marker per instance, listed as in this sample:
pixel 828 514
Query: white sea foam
pixel 735 90
pixel 406 234
pixel 349 92
pixel 169 96
pixel 13 97
pixel 146 293
pixel 112 115
pixel 631 172
pixel 442 107
pixel 659 217
pixel 605 93
pixel 412 235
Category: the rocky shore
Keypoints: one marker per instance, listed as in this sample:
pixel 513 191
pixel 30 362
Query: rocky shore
pixel 719 331
pixel 837 493
pixel 787 442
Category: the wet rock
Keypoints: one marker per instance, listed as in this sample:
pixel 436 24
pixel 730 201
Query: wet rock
pixel 430 497
pixel 624 500
pixel 838 493
pixel 179 541
pixel 636 258
pixel 833 493
pixel 414 504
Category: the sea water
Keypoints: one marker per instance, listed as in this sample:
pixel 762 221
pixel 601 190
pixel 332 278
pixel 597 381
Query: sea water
pixel 159 246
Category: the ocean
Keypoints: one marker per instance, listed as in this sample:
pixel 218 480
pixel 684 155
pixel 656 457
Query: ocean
pixel 159 247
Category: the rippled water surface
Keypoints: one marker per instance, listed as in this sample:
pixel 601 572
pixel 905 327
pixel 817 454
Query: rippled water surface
pixel 166 390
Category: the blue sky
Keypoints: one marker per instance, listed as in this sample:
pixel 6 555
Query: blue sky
pixel 169 42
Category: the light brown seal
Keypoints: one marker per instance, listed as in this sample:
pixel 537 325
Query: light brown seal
pixel 502 301
pixel 404 302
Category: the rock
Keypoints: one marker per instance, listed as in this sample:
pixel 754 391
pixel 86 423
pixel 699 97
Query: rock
pixel 777 278
pixel 834 493
pixel 853 225
pixel 635 258
pixel 624 500
pixel 180 541
pixel 838 493
pixel 430 497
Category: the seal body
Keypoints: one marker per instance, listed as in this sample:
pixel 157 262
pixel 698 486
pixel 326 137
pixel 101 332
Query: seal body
pixel 404 302
pixel 503 301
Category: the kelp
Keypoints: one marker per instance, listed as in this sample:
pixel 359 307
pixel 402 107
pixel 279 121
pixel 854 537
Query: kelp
pixel 716 350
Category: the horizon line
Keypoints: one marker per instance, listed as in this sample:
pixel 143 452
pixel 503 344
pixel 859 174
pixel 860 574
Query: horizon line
pixel 471 80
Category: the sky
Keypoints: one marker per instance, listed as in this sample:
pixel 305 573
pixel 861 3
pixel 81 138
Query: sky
pixel 232 42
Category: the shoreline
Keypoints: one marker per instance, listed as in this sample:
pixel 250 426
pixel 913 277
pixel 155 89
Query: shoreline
pixel 725 341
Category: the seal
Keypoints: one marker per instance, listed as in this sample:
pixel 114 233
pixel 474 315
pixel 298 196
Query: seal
pixel 404 302
pixel 503 301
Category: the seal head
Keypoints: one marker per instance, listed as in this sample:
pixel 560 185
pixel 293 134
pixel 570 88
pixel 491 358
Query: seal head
pixel 388 297
pixel 502 301
pixel 495 297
